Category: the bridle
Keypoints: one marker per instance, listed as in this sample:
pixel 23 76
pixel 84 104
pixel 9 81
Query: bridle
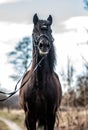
pixel 37 37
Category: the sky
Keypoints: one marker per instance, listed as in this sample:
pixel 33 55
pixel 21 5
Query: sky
pixel 70 25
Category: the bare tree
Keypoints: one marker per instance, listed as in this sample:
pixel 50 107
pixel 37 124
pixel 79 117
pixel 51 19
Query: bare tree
pixel 20 57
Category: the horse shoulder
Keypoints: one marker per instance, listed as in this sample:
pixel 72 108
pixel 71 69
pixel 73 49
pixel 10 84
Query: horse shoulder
pixel 59 89
pixel 56 77
pixel 25 78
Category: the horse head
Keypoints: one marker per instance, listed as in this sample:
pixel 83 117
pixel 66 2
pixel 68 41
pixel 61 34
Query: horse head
pixel 42 34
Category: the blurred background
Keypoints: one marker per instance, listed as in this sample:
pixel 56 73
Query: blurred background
pixel 70 31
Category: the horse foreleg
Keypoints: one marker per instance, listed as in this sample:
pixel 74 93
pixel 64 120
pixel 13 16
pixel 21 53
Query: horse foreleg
pixel 26 121
pixel 51 122
pixel 30 122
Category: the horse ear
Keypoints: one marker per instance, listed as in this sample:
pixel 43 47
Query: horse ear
pixel 35 19
pixel 50 19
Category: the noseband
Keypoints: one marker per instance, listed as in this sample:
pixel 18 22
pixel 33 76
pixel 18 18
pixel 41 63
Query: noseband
pixel 36 38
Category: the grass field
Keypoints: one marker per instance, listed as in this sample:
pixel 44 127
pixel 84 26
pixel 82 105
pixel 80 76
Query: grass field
pixel 72 119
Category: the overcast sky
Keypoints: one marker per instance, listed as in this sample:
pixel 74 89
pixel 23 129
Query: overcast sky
pixel 70 21
pixel 22 11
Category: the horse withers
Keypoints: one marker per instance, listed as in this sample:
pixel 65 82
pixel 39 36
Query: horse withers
pixel 40 93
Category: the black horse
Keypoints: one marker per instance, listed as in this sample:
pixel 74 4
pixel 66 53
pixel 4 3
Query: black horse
pixel 40 92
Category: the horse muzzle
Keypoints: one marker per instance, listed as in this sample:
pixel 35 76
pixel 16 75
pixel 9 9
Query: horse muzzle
pixel 43 47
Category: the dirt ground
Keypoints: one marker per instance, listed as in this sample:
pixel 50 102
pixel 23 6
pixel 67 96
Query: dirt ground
pixel 11 125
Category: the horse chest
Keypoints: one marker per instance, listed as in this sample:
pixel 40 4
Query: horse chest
pixel 40 98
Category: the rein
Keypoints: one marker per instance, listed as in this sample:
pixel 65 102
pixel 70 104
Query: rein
pixel 16 90
pixel 36 40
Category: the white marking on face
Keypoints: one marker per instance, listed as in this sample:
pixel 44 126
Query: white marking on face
pixel 43 53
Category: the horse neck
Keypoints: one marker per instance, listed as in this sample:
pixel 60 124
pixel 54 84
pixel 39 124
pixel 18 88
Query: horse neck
pixel 46 67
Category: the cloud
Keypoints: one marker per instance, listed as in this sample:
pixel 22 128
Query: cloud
pixel 77 23
pixel 10 35
pixel 8 1
pixel 69 42
pixel 13 31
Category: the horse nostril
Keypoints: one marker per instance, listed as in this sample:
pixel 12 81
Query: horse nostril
pixel 40 45
pixel 48 45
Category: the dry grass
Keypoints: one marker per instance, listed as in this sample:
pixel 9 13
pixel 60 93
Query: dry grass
pixel 72 119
